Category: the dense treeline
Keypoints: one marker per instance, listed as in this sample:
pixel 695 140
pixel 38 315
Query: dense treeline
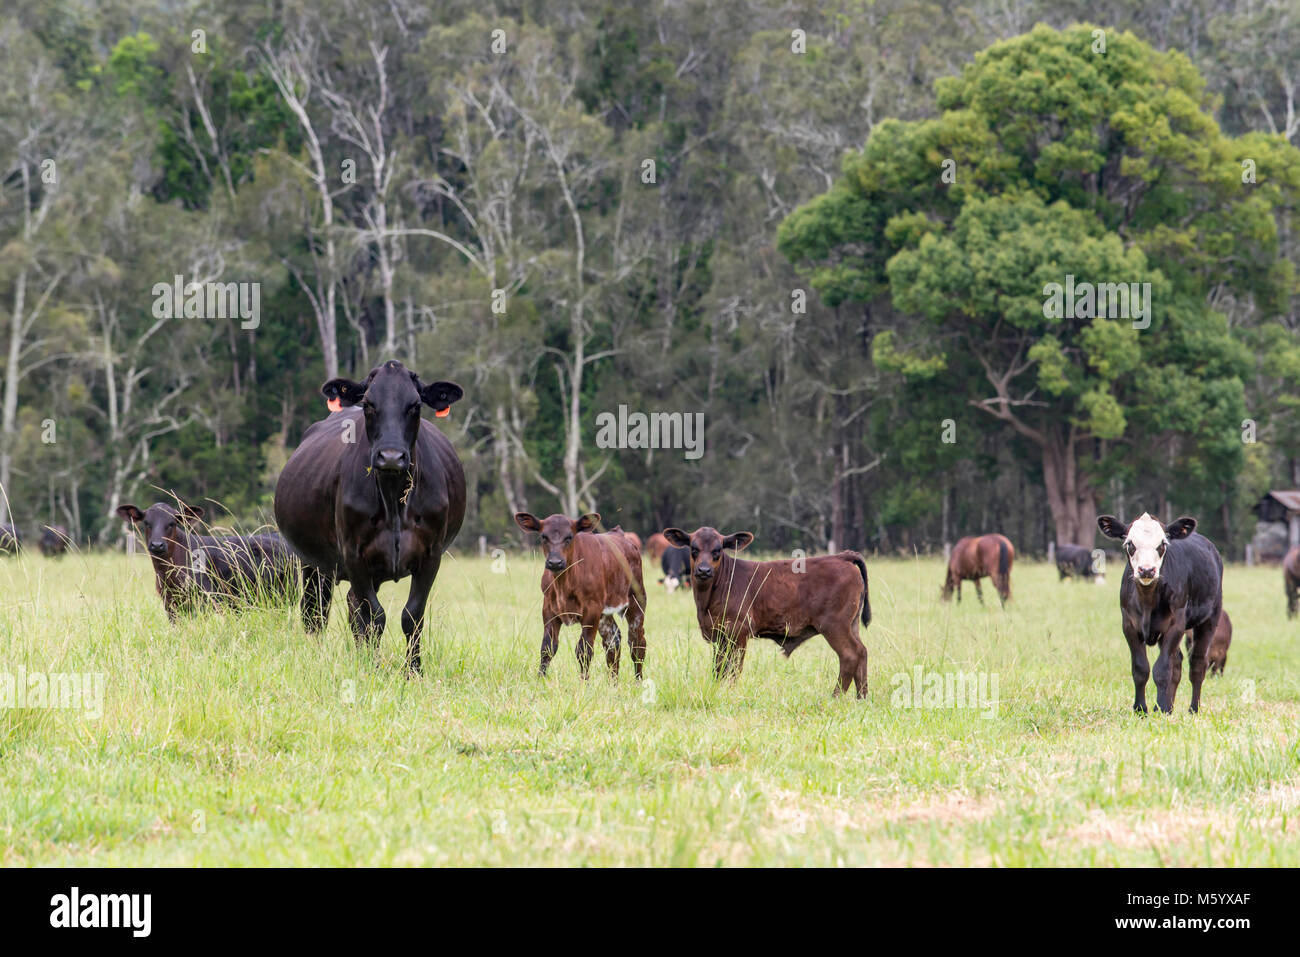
pixel 732 208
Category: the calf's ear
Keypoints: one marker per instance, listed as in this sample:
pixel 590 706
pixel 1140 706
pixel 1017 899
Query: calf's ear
pixel 587 522
pixel 343 391
pixel 1112 527
pixel 190 514
pixel 527 522
pixel 440 395
pixel 1180 528
pixel 738 540
pixel 677 537
pixel 130 513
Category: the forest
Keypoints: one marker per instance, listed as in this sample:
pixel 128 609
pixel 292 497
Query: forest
pixel 822 230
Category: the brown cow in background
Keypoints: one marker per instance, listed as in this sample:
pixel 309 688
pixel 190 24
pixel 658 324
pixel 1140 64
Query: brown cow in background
pixel 656 545
pixel 974 557
pixel 1291 579
pixel 587 580
pixel 1218 654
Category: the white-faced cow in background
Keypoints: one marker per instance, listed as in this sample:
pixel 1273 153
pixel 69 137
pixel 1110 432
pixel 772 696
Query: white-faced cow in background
pixel 1173 584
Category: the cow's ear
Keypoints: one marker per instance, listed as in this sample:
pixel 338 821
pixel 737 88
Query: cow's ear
pixel 1112 527
pixel 527 522
pixel 440 395
pixel 1180 528
pixel 190 514
pixel 737 540
pixel 130 513
pixel 677 537
pixel 587 522
pixel 343 391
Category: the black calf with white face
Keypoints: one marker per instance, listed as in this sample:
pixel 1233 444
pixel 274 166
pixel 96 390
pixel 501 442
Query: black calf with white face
pixel 390 401
pixel 1146 542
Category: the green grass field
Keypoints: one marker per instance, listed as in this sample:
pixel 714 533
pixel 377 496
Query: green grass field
pixel 234 739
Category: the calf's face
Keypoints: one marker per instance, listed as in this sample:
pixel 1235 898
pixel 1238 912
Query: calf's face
pixel 162 526
pixel 708 547
pixel 1145 542
pixel 557 532
pixel 390 401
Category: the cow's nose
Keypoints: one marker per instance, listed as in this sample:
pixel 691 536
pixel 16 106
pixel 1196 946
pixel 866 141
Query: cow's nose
pixel 157 548
pixel 704 571
pixel 390 459
pixel 555 564
pixel 1146 572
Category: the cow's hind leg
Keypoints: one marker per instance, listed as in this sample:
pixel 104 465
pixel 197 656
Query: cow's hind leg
pixel 317 595
pixel 979 591
pixel 635 617
pixel 612 639
pixel 586 641
pixel 1292 596
pixel 1200 651
pixel 852 653
pixel 413 611
pixel 365 613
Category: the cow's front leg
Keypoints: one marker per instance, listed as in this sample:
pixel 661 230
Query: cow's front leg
pixel 364 612
pixel 729 654
pixel 550 639
pixel 1199 654
pixel 413 610
pixel 586 642
pixel 1141 671
pixel 635 615
pixel 1168 669
pixel 612 640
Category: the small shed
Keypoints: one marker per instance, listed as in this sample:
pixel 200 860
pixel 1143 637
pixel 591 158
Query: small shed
pixel 1278 512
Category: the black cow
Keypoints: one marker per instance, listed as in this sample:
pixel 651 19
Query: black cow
pixel 676 564
pixel 193 571
pixel 1173 583
pixel 374 493
pixel 54 540
pixel 1076 561
pixel 11 539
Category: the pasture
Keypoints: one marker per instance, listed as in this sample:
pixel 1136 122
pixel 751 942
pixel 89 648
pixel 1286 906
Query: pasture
pixel 235 739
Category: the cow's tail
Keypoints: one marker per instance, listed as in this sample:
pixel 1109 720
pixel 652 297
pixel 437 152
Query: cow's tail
pixel 1004 565
pixel 856 559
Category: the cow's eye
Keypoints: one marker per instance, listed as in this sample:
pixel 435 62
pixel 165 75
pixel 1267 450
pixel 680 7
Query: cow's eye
pixel 717 553
pixel 413 407
pixel 568 539
pixel 695 552
pixel 1130 547
pixel 1161 549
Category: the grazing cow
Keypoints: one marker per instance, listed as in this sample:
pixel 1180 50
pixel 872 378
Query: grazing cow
pixel 676 565
pixel 656 545
pixel 192 570
pixel 1173 583
pixel 588 579
pixel 54 540
pixel 11 539
pixel 1218 655
pixel 787 601
pixel 1291 579
pixel 974 557
pixel 1075 560
pixel 373 493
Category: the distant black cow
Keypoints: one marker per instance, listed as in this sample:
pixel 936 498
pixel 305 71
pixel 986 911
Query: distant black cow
pixel 11 539
pixel 192 571
pixel 1076 561
pixel 373 493
pixel 676 565
pixel 1291 579
pixel 1173 583
pixel 54 540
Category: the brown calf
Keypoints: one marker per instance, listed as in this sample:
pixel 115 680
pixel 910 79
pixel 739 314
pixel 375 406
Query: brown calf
pixel 656 545
pixel 974 557
pixel 1291 579
pixel 1218 654
pixel 787 601
pixel 587 580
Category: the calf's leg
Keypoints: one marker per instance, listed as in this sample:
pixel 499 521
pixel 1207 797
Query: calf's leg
pixel 550 640
pixel 1141 672
pixel 585 643
pixel 364 612
pixel 1167 670
pixel 852 653
pixel 1200 651
pixel 611 639
pixel 729 655
pixel 635 617
pixel 979 591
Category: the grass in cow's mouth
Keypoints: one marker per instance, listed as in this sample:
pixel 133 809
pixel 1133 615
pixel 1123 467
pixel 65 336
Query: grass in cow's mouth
pixel 237 739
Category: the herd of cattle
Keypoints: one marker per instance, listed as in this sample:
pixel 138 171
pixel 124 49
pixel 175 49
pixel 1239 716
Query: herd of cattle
pixel 376 493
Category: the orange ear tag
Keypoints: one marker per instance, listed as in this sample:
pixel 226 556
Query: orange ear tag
pixel 442 413
pixel 335 404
